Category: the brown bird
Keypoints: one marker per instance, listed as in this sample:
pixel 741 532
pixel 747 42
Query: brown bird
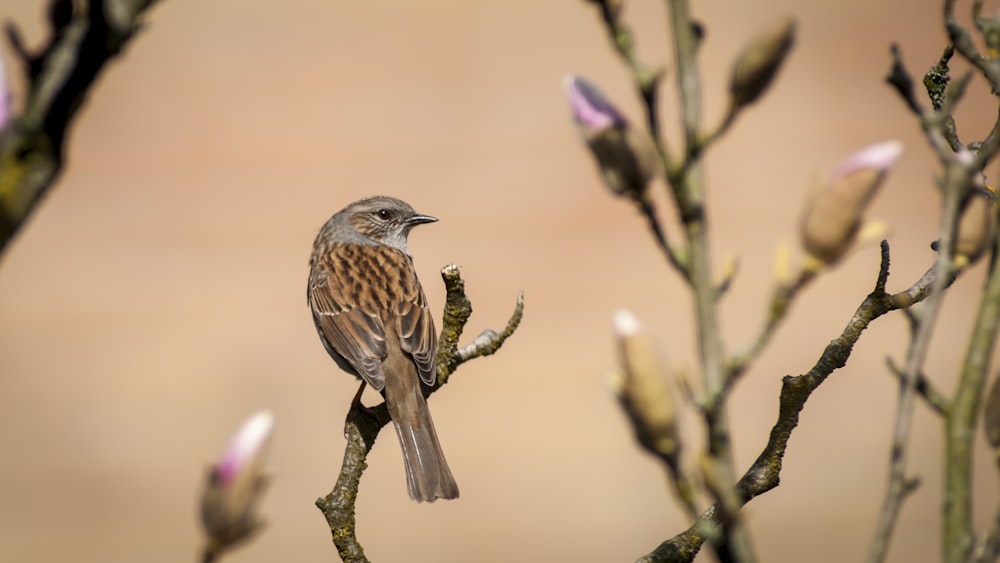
pixel 372 316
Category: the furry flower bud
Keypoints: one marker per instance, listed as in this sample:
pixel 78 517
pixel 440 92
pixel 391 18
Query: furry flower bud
pixel 645 393
pixel 833 215
pixel 625 156
pixel 975 228
pixel 758 63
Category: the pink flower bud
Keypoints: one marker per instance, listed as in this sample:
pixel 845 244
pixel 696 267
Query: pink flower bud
pixel 591 110
pixel 626 157
pixel 833 215
pixel 878 158
pixel 245 446
pixel 235 486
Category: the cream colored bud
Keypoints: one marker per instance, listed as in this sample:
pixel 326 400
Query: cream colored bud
pixel 833 214
pixel 627 160
pixel 783 264
pixel 645 393
pixel 975 229
pixel 625 155
pixel 758 63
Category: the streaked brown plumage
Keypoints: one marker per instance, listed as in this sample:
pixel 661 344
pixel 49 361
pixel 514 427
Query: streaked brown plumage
pixel 372 316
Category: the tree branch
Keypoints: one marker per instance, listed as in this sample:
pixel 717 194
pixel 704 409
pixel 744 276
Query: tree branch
pixel 764 474
pixel 60 76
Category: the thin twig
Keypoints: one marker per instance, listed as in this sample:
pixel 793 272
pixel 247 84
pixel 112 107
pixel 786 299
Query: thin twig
pixel 899 78
pixel 647 81
pixel 925 388
pixel 677 258
pixel 704 141
pixel 964 44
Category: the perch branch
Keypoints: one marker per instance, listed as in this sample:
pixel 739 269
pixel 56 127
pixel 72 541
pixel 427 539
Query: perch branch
pixel 364 423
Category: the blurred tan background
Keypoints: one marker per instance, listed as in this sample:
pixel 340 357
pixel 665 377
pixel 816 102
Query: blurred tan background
pixel 157 298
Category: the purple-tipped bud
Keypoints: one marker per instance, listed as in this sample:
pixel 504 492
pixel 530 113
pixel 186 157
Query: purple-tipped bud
pixel 626 157
pixel 235 485
pixel 645 392
pixel 877 159
pixel 591 110
pixel 833 215
pixel 245 447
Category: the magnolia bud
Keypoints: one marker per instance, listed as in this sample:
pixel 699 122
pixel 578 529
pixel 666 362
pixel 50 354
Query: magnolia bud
pixel 627 158
pixel 645 392
pixel 758 63
pixel 833 214
pixel 235 485
pixel 975 228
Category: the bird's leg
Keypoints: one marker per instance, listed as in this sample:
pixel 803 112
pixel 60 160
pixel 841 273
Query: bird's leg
pixel 356 401
pixel 358 408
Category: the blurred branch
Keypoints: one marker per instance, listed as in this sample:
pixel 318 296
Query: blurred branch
pixel 956 185
pixel 647 81
pixel 59 77
pixel 687 187
pixel 364 423
pixel 961 420
pixel 899 78
pixel 678 257
pixel 958 36
pixel 961 166
pixel 925 388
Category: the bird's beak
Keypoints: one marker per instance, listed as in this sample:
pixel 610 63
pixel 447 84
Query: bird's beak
pixel 418 219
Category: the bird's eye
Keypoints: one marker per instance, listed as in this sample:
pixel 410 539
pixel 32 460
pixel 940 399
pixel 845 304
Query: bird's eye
pixel 383 214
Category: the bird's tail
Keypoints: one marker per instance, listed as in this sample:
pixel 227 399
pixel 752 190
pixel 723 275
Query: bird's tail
pixel 427 475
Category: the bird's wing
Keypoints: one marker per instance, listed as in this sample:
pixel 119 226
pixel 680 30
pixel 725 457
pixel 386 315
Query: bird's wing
pixel 415 324
pixel 348 323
